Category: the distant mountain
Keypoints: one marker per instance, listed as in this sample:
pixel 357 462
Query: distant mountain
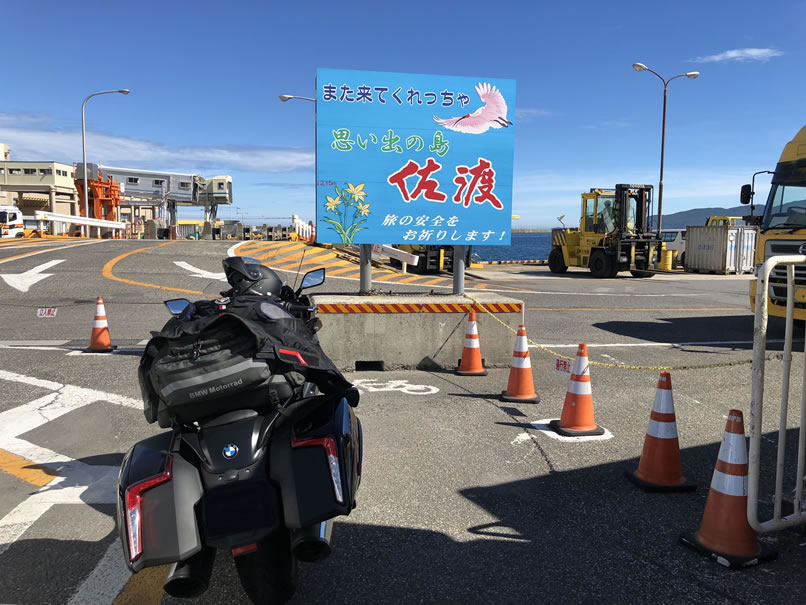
pixel 698 216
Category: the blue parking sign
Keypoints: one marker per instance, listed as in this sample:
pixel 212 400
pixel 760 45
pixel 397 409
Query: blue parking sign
pixel 413 159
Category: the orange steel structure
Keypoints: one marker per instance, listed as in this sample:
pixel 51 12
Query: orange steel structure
pixel 105 197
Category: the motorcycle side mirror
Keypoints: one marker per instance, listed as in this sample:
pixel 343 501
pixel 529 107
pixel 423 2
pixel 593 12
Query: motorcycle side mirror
pixel 178 306
pixel 746 194
pixel 312 278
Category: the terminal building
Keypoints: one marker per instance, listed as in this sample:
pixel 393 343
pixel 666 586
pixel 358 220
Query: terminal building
pixel 147 194
pixel 37 185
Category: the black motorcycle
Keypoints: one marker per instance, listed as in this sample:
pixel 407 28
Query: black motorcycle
pixel 264 447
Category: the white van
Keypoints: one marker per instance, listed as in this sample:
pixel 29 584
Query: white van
pixel 11 224
pixel 675 239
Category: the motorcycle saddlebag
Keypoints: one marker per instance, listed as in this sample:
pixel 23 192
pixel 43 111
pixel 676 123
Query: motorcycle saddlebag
pixel 320 472
pixel 211 372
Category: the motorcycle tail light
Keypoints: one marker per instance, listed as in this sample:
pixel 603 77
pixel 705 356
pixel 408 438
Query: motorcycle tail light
pixel 134 516
pixel 332 461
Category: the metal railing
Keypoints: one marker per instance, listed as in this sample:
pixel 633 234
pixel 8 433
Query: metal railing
pixel 798 516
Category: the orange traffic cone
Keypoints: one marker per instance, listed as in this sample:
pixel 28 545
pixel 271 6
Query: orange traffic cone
pixel 470 364
pixel 725 535
pixel 577 417
pixel 659 469
pixel 521 386
pixel 99 340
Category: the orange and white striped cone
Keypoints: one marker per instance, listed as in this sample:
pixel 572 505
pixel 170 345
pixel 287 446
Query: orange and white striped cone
pixel 659 469
pixel 99 340
pixel 577 417
pixel 521 385
pixel 725 535
pixel 471 364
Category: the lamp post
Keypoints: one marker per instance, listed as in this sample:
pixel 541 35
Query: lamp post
pixel 123 91
pixel 692 75
pixel 365 260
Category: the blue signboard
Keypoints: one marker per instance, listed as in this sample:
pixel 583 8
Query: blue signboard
pixel 413 159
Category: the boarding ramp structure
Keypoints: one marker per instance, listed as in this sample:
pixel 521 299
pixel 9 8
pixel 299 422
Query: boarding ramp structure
pixel 166 190
pixel 795 268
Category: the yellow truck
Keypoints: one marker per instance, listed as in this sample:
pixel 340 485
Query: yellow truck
pixel 613 235
pixel 724 221
pixel 783 226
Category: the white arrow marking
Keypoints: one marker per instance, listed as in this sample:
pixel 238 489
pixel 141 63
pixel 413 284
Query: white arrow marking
pixel 23 281
pixel 200 272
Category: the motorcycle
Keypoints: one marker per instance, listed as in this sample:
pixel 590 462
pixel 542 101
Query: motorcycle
pixel 264 447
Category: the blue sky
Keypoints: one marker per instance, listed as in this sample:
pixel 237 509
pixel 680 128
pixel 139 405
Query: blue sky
pixel 205 77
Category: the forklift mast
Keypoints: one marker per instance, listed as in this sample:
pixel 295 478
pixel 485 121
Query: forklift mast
pixel 633 209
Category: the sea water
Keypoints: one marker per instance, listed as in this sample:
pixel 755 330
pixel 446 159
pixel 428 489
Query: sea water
pixel 524 246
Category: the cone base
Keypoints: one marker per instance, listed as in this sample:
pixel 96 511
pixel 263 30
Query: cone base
pixel 555 425
pixel 462 373
pixel 514 399
pixel 765 554
pixel 648 486
pixel 107 350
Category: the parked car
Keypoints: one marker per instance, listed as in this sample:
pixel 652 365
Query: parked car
pixel 675 239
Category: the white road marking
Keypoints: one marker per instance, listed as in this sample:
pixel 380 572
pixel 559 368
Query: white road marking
pixel 522 438
pixel 106 580
pixel 232 249
pixel 200 272
pixel 23 281
pixel 77 482
pixel 373 386
pixel 8 260
pixel 544 428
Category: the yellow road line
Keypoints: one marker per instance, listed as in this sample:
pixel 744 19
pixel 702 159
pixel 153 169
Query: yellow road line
pixel 107 273
pixel 385 277
pixel 26 470
pixel 144 588
pixel 343 270
pixel 278 253
pixel 642 309
pixel 70 245
pixel 434 282
pixel 410 279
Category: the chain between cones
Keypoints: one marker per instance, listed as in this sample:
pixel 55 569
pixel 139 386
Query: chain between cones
pixel 601 364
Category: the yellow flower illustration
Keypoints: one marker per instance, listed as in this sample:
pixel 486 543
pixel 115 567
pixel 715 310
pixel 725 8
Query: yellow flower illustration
pixel 357 192
pixel 363 208
pixel 332 202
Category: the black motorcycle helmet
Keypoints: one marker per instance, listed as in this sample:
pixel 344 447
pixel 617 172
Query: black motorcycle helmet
pixel 248 276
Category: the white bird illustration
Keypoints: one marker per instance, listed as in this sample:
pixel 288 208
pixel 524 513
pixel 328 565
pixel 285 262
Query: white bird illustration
pixel 493 114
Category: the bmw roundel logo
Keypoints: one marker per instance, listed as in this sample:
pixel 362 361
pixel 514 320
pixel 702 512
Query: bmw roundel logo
pixel 230 451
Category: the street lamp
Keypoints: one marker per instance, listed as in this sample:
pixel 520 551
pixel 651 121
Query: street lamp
pixel 123 91
pixel 692 75
pixel 289 97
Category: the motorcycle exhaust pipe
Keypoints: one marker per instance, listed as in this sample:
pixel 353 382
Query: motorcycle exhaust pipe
pixel 189 579
pixel 312 543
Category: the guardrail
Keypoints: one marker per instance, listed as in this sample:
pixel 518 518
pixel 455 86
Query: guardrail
pixel 44 215
pixel 798 516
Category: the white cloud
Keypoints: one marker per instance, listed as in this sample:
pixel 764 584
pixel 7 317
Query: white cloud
pixel 527 114
pixel 29 143
pixel 742 55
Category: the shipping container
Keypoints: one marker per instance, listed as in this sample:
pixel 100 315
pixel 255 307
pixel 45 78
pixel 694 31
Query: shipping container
pixel 720 249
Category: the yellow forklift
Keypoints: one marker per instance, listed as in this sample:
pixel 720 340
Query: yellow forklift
pixel 613 234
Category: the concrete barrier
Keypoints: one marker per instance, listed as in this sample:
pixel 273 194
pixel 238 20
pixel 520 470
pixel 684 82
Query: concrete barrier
pixel 402 332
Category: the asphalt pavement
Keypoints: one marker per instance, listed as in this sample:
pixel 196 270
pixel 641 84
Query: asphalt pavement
pixel 464 497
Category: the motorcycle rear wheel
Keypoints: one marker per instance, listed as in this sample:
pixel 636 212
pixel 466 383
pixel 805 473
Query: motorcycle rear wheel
pixel 269 575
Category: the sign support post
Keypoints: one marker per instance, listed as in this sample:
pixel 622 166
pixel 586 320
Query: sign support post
pixel 366 269
pixel 458 269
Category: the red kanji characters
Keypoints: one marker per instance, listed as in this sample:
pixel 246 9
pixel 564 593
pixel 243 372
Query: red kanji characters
pixel 483 178
pixel 426 186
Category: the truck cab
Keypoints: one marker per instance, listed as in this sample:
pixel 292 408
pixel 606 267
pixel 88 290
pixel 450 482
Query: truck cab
pixel 11 223
pixel 783 226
